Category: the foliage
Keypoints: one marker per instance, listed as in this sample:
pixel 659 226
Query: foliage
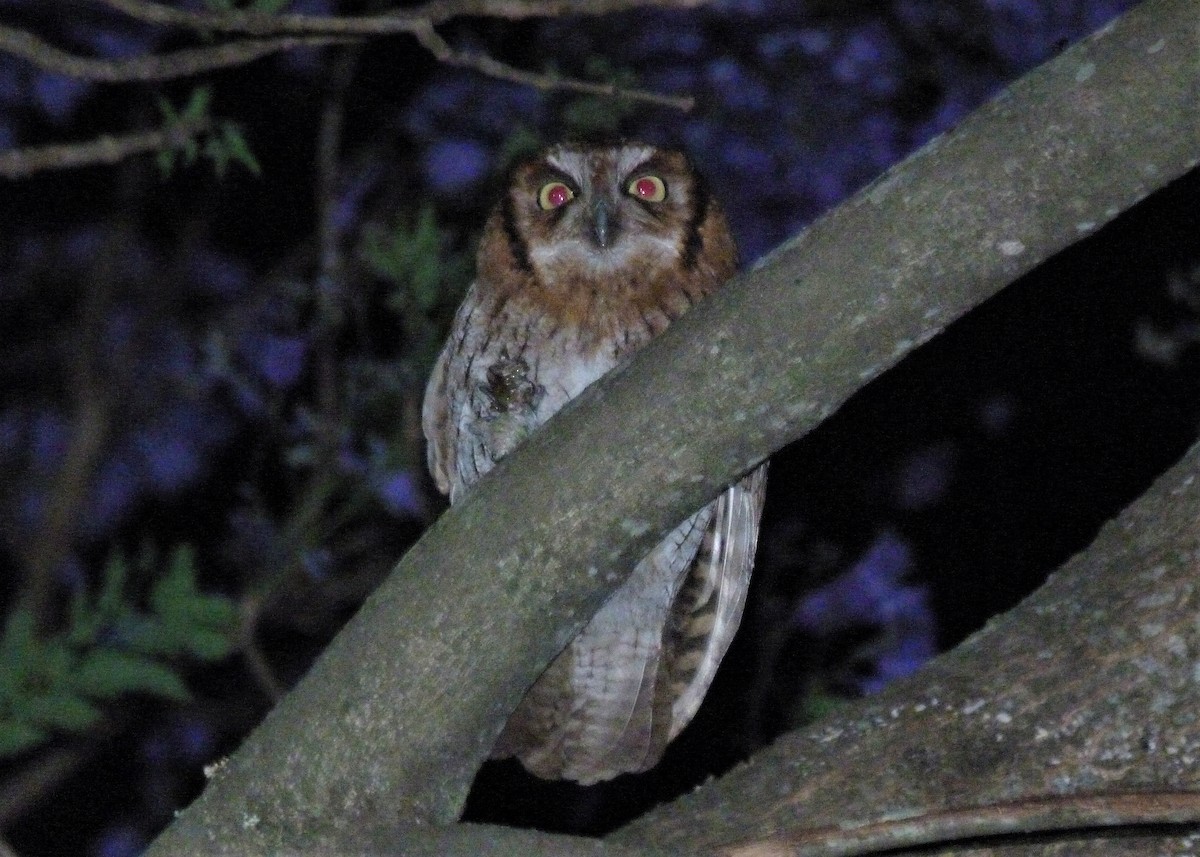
pixel 223 143
pixel 109 647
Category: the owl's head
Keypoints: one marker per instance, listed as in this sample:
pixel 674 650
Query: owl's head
pixel 625 217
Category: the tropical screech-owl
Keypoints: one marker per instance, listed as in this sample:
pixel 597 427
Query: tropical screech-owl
pixel 591 252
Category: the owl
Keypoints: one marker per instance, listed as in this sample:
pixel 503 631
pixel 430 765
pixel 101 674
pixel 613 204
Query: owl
pixel 591 252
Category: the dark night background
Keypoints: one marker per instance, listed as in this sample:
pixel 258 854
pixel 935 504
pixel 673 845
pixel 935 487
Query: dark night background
pixel 222 374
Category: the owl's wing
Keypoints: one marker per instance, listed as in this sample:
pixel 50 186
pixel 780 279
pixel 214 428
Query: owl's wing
pixel 447 395
pixel 598 709
pixel 436 421
pixel 623 688
pixel 709 607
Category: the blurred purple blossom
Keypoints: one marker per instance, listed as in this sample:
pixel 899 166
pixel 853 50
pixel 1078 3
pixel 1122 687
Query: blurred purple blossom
pixel 347 209
pixel 115 43
pixel 58 96
pixel 736 87
pixel 454 166
pixel 48 438
pixel 401 493
pixel 218 274
pixel 870 593
pixel 873 593
pixel 184 737
pixel 277 360
pixel 115 489
pixel 120 840
pixel 317 562
pixel 904 650
pixel 170 459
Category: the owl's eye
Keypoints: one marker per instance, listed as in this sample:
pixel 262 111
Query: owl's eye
pixel 554 195
pixel 648 188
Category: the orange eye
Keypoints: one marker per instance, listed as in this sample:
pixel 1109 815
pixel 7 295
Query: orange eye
pixel 554 195
pixel 648 188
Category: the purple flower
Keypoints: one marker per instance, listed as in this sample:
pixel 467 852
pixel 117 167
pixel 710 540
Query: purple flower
pixel 58 95
pixel 863 594
pixel 454 166
pixel 278 360
pixel 170 460
pixel 400 493
pixel 114 490
pixel 120 840
pixel 873 594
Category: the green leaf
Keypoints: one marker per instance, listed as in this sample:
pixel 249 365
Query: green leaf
pixel 214 611
pixel 169 114
pixel 165 161
pixel 198 103
pixel 237 149
pixel 18 641
pixel 63 710
pixel 209 645
pixel 107 673
pixel 111 603
pixel 17 655
pixel 177 586
pixel 153 636
pixel 55 661
pixel 16 737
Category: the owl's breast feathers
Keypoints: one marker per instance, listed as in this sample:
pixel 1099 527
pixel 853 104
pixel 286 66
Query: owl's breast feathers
pixel 553 308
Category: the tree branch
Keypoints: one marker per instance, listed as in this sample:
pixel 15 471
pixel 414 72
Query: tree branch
pixel 1071 713
pixel 395 718
pixel 168 66
pixel 441 50
pixel 390 23
pixel 273 33
pixel 22 163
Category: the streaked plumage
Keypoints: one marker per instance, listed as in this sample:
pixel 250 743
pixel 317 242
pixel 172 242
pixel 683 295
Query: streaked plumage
pixel 591 252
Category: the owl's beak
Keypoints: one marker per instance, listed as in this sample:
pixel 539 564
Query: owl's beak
pixel 603 230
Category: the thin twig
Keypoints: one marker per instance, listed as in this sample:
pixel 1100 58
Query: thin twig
pixel 107 149
pixel 256 660
pixel 276 33
pixel 443 52
pixel 168 66
pixel 400 21
pixel 329 282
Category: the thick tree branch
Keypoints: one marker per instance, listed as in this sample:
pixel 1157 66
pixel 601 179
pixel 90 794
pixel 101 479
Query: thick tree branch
pixel 394 719
pixel 1071 713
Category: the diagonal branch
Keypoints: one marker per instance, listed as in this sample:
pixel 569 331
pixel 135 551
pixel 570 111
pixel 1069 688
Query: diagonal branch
pixel 395 718
pixel 441 50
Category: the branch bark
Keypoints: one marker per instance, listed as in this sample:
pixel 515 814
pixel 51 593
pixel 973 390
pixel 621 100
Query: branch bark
pixel 1072 713
pixel 392 722
pixel 106 149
